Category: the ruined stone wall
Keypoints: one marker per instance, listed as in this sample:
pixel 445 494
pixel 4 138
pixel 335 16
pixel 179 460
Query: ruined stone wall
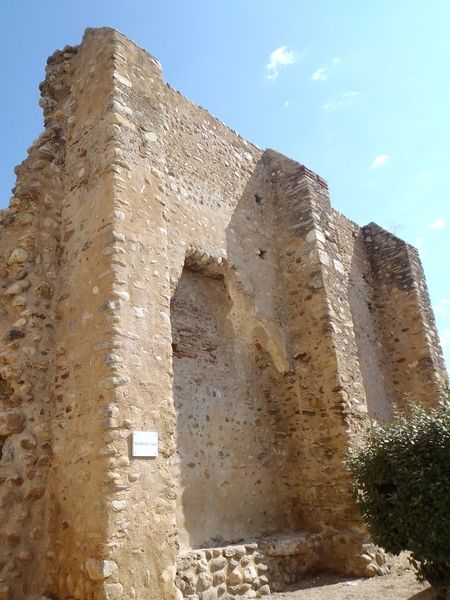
pixel 409 329
pixel 324 373
pixel 30 257
pixel 229 470
pixel 159 273
pixel 373 360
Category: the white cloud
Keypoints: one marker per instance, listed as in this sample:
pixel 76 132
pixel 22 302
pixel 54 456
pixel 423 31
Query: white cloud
pixel 418 241
pixel 319 75
pixel 344 100
pixel 379 161
pixel 281 57
pixel 445 337
pixel 438 223
pixel 286 103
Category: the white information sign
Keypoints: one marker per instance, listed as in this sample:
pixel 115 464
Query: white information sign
pixel 144 443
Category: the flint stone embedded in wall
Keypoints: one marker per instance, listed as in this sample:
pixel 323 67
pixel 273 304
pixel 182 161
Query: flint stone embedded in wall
pixel 100 569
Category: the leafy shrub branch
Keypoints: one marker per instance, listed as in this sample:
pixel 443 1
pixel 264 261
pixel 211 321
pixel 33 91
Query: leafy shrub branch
pixel 402 474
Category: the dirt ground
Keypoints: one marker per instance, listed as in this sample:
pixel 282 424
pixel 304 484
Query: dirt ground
pixel 399 586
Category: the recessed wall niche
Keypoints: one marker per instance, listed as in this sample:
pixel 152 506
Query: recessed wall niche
pixel 225 390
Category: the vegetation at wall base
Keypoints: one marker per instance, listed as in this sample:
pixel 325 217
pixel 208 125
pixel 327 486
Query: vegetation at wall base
pixel 402 487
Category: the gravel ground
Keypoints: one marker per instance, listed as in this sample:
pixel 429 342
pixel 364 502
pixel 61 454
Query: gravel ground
pixel 399 586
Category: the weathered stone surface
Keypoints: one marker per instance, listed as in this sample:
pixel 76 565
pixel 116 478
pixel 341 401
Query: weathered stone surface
pixel 285 557
pixel 113 591
pixel 218 563
pixel 100 569
pixel 11 421
pixel 235 577
pixel 159 273
pixel 204 582
pixel 18 256
pixel 12 539
pixel 17 287
pixel 210 594
pixel 5 592
pixel 219 577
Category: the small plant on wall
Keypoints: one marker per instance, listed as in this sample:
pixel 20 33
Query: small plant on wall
pixel 402 486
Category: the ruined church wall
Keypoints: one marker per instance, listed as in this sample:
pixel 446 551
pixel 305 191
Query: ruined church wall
pixel 82 467
pixel 68 203
pixel 30 244
pixel 251 443
pixel 158 232
pixel 373 361
pixel 224 387
pixel 162 274
pixel 30 252
pixel 183 222
pixel 172 234
pixel 313 278
pixel 410 338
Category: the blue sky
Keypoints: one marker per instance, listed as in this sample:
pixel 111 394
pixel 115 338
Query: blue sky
pixel 358 91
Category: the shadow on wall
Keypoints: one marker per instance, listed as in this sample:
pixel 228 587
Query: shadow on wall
pixel 235 410
pixel 373 360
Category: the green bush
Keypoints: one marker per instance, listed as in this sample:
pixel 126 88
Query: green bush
pixel 402 474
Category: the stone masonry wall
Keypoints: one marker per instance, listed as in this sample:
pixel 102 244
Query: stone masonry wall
pixel 224 413
pixel 160 273
pixel 324 372
pixel 409 328
pixel 30 256
pixel 245 570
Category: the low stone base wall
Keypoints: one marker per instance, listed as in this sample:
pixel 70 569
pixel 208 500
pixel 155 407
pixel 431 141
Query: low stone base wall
pixel 249 570
pixel 291 556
